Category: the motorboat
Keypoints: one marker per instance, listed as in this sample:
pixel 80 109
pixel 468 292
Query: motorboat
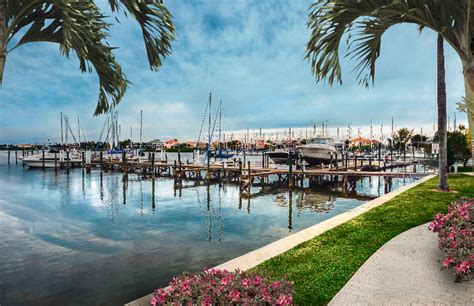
pixel 318 150
pixel 280 155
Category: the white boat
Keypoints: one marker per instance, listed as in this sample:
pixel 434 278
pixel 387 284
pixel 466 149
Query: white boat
pixel 319 150
pixel 53 159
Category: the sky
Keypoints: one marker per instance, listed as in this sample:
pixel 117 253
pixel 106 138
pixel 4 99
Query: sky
pixel 250 54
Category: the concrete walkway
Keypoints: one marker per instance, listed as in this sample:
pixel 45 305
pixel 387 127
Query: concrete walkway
pixel 405 271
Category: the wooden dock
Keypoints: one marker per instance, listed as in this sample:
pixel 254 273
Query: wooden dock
pixel 248 175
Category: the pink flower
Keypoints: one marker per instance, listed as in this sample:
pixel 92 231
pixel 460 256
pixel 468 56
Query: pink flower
pixel 227 280
pixel 245 282
pixel 276 285
pixel 234 295
pixel 284 300
pixel 257 280
pixel 447 261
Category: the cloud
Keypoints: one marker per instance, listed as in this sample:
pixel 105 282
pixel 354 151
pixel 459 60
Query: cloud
pixel 249 53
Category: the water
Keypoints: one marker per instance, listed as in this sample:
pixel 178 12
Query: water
pixel 72 238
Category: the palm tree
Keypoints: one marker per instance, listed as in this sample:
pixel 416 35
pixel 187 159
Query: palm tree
pixel 442 128
pixel 81 27
pixel 329 20
pixel 401 139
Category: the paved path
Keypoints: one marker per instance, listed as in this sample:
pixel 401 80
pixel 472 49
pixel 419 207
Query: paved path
pixel 405 271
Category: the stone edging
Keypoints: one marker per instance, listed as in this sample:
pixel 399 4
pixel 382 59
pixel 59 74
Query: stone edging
pixel 256 257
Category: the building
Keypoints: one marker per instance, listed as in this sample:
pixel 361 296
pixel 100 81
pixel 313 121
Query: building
pixel 172 143
pixel 361 141
pixel 156 144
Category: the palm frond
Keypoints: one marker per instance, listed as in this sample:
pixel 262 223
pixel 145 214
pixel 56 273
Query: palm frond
pixel 365 22
pixel 79 26
pixel 157 28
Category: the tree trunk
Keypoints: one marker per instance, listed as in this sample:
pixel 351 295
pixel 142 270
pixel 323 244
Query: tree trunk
pixel 469 87
pixel 3 38
pixel 442 129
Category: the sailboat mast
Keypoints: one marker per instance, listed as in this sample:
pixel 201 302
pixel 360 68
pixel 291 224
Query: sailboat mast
pixel 220 123
pixel 62 138
pixel 209 127
pixel 141 127
pixel 78 130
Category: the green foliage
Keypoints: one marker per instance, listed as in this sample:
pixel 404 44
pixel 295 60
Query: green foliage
pixel 459 145
pixel 321 266
pixel 79 26
pixel 367 21
pixel 401 138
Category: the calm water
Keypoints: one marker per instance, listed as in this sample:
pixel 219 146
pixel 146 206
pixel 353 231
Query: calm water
pixel 72 238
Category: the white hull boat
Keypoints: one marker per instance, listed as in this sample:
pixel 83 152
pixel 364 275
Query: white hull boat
pixel 53 160
pixel 318 151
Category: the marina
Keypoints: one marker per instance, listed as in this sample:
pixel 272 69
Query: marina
pixel 121 234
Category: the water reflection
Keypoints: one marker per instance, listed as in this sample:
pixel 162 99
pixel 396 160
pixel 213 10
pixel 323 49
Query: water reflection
pixel 102 238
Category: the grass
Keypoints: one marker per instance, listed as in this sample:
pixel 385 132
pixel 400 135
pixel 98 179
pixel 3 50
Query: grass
pixel 321 266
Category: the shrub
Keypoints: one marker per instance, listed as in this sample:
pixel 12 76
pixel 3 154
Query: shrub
pixel 455 237
pixel 221 287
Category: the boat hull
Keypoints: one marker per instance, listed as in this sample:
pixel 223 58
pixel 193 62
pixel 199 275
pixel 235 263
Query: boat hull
pixel 280 158
pixel 317 156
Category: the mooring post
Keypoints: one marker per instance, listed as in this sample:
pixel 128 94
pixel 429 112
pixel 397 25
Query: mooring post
pixel 337 163
pixel 244 156
pixel 16 157
pixel 101 158
pixel 67 159
pixel 370 161
pixel 290 169
pixel 355 162
pixel 8 156
pixel 175 174
pixel 380 153
pixel 263 159
pixel 83 159
pixel 153 163
pixel 41 160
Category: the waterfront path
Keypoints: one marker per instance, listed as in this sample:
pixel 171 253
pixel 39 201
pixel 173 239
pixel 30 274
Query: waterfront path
pixel 405 271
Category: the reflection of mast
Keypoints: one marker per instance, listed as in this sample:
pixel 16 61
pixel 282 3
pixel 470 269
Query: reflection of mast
pixel 209 226
pixel 153 193
pixel 290 210
pixel 141 198
pixel 101 186
pixel 125 185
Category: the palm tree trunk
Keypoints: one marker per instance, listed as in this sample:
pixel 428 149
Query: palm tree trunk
pixel 469 87
pixel 442 133
pixel 3 38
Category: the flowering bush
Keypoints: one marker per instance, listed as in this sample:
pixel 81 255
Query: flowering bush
pixel 221 287
pixel 455 237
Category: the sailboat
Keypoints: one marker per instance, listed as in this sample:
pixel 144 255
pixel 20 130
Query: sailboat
pixel 57 155
pixel 220 153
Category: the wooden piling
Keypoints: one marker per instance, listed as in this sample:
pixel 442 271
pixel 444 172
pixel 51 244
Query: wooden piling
pixel 101 157
pixel 55 160
pixel 153 163
pixel 16 157
pixel 8 156
pixel 67 159
pixel 42 161
pixel 290 169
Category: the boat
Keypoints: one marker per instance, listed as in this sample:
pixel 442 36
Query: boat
pixel 280 155
pixel 221 154
pixel 54 158
pixel 318 150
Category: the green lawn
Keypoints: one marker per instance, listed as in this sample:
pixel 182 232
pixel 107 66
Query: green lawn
pixel 320 267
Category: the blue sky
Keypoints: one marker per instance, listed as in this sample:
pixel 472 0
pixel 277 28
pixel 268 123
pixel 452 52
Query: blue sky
pixel 250 54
